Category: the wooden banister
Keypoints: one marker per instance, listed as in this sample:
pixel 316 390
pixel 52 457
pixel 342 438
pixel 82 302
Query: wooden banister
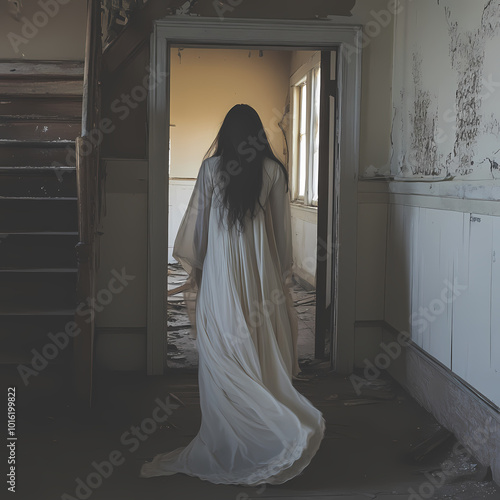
pixel 88 192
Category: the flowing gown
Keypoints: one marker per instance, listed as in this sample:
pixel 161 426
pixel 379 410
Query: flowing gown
pixel 256 427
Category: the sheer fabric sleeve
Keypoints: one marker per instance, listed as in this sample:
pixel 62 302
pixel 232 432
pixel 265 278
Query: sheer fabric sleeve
pixel 279 204
pixel 190 244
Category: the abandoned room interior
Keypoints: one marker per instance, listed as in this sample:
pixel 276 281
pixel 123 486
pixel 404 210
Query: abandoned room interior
pixel 386 116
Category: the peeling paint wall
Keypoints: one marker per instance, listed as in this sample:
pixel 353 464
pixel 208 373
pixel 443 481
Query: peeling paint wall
pixel 443 235
pixel 446 89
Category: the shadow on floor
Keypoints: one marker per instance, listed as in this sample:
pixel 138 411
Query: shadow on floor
pixel 367 451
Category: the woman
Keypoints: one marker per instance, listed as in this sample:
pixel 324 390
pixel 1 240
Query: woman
pixel 235 243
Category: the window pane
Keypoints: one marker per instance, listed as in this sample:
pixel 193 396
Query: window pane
pixel 302 140
pixel 315 138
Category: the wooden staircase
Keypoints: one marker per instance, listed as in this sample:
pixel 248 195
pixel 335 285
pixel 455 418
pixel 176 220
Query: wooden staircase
pixel 40 119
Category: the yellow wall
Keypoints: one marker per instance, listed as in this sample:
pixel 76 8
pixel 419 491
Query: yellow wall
pixel 206 83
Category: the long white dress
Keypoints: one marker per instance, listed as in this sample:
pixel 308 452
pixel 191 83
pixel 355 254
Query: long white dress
pixel 256 427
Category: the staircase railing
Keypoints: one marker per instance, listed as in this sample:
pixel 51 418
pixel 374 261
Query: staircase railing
pixel 89 202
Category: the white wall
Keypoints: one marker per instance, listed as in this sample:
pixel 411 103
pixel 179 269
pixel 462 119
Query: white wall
pixel 445 263
pixel 121 323
pixel 370 269
pixel 304 243
pixel 376 17
pixel 431 243
pixel 442 273
pixel 442 277
pixel 443 283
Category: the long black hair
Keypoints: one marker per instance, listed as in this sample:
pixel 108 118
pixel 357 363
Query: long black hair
pixel 242 146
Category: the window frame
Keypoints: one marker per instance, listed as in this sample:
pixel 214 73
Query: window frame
pixel 305 75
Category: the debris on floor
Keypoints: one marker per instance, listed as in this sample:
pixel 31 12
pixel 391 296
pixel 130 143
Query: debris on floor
pixel 366 452
pixel 430 444
pixel 181 348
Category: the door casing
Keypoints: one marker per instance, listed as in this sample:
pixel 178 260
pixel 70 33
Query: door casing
pixel 297 35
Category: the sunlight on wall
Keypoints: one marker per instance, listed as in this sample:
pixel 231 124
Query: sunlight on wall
pixel 206 83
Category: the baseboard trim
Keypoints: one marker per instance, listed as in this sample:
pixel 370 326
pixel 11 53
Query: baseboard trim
pixel 454 403
pixel 454 378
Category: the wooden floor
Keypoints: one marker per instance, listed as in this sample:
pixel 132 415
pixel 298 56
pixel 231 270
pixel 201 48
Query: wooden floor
pixel 366 453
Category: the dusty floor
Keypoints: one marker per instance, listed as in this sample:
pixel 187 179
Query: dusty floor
pixel 370 449
pixel 181 348
pixel 366 453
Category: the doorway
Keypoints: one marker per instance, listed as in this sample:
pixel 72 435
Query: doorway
pixel 285 87
pixel 172 38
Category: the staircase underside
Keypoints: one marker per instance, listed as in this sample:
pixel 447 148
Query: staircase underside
pixel 40 118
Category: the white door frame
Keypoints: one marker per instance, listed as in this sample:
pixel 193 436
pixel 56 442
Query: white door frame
pixel 307 35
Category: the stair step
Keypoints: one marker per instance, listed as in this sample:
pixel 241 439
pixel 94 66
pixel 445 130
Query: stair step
pixel 55 154
pixel 35 69
pixel 29 310
pixel 32 183
pixel 5 234
pixel 23 350
pixel 22 169
pixel 38 250
pixel 20 335
pixel 40 198
pixel 28 108
pixel 40 86
pixel 30 118
pixel 40 130
pixel 32 215
pixel 36 326
pixel 40 119
pixel 35 144
pixel 37 290
pixel 38 270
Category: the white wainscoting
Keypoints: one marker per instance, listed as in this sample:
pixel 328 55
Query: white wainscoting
pixel 443 286
pixel 304 242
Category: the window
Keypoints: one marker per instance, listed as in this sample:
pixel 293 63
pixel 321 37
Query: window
pixel 305 93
